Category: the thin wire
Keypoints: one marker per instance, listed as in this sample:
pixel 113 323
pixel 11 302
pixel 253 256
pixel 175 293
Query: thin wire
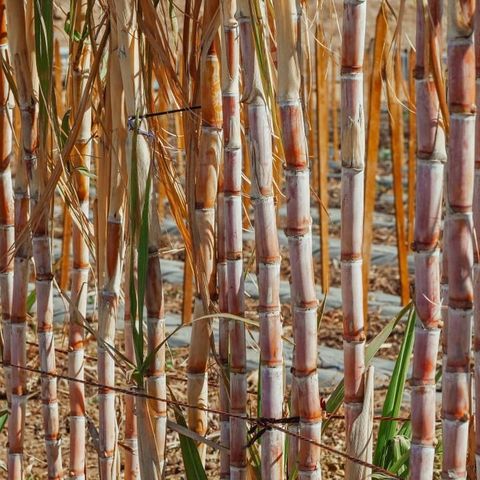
pixel 333 416
pixel 166 112
pixel 262 422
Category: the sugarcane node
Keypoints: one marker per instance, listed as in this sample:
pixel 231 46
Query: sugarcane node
pixel 44 277
pixel 354 338
pixel 305 372
pixel 304 305
pixel 80 266
pixel 299 231
pixel 350 257
pixel 462 108
pixel 464 304
pixel 234 256
pixel 296 168
pixel 296 161
pixel 267 308
pixel 423 247
pixel 76 346
pixel 419 72
pixel 351 69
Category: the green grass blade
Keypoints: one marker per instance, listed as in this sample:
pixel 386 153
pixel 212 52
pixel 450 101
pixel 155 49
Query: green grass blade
pixel 32 297
pixel 137 324
pixel 191 459
pixel 143 259
pixel 3 419
pixel 335 399
pixel 43 10
pixel 393 399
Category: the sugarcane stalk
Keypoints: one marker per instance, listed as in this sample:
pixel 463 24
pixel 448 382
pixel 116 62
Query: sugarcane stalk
pixel 460 182
pixel 151 414
pixel 476 251
pixel 358 422
pixel 266 244
pixel 431 157
pixel 16 420
pixel 7 228
pixel 34 153
pixel 80 158
pixel 231 274
pixel 309 98
pixel 224 331
pixel 412 128
pixel 18 354
pixel 233 226
pixel 132 466
pixel 334 107
pixel 7 236
pixel 298 231
pixel 156 378
pixel 206 187
pixel 109 294
pixel 293 429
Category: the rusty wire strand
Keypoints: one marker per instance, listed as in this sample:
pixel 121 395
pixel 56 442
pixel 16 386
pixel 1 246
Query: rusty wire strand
pixel 262 422
pixel 326 415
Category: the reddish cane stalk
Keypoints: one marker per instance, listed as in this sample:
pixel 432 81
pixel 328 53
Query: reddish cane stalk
pixel 298 231
pixel 7 229
pixel 431 156
pixel 35 161
pixel 80 158
pixel 232 205
pixel 110 287
pixel 267 248
pixel 16 420
pixel 206 189
pixel 460 180
pixel 476 246
pixel 358 385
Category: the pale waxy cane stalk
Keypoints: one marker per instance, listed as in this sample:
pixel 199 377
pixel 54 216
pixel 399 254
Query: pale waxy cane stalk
pixel 37 170
pixel 358 381
pixel 206 189
pixel 132 467
pixel 267 252
pixel 80 158
pixel 298 231
pixel 21 62
pixel 431 157
pixel 476 251
pixel 12 214
pixel 460 181
pixel 224 330
pixel 7 228
pixel 34 156
pixel 232 191
pixel 156 377
pixel 232 185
